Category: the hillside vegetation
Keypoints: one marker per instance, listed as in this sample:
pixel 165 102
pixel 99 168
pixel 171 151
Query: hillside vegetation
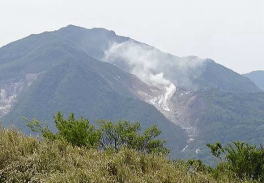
pixel 26 159
pixel 112 152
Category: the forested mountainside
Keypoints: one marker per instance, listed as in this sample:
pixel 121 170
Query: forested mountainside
pixel 100 75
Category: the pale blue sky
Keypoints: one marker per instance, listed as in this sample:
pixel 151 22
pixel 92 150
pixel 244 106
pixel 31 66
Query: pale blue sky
pixel 228 31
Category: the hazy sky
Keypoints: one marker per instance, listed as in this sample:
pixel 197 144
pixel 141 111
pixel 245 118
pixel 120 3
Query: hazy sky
pixel 228 31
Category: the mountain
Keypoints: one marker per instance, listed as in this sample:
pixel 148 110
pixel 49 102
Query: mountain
pixel 100 75
pixel 257 77
pixel 58 77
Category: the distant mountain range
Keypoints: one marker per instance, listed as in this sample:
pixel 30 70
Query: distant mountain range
pixel 257 77
pixel 100 75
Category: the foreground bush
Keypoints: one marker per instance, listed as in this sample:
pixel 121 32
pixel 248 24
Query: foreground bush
pixel 25 159
pixel 243 160
pixel 109 135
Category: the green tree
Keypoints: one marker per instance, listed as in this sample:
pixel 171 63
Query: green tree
pixel 109 135
pixel 123 133
pixel 78 132
pixel 244 160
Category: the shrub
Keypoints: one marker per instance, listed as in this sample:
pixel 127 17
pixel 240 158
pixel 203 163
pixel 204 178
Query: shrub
pixel 25 159
pixel 109 135
pixel 241 159
pixel 78 132
pixel 123 133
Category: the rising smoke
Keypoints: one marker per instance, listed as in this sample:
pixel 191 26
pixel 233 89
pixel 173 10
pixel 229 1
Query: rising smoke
pixel 159 69
pixel 153 66
pixel 141 60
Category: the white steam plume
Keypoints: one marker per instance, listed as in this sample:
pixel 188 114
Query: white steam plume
pixel 9 92
pixel 161 70
pixel 153 66
pixel 141 60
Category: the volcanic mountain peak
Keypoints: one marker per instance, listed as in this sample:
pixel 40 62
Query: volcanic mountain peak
pixel 100 75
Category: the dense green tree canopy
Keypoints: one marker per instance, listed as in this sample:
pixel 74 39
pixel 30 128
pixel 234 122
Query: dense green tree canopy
pixel 109 135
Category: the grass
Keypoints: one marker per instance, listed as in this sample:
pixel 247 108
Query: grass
pixel 27 159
